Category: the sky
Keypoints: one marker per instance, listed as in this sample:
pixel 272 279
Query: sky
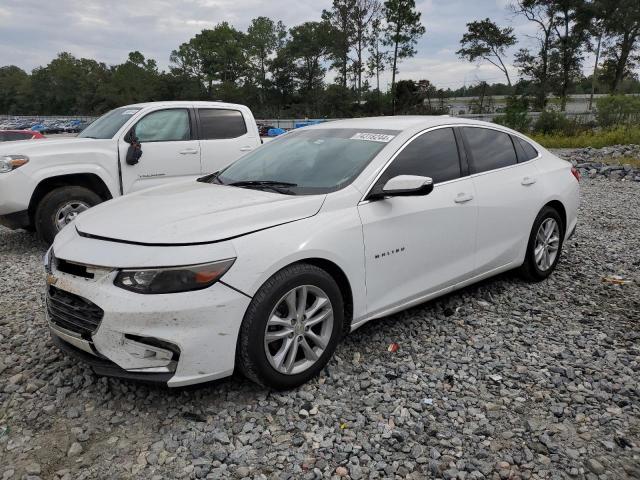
pixel 33 32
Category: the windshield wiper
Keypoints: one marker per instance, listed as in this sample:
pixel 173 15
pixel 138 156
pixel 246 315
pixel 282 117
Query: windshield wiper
pixel 280 187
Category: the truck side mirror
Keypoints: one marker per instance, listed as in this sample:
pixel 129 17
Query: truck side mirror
pixel 134 152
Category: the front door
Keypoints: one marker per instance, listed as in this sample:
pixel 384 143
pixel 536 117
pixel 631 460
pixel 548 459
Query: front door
pixel 170 150
pixel 417 245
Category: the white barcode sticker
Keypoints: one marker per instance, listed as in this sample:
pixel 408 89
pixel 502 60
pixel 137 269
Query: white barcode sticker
pixel 129 112
pixel 373 137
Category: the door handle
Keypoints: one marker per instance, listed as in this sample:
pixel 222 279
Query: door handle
pixel 246 148
pixel 189 151
pixel 463 198
pixel 528 181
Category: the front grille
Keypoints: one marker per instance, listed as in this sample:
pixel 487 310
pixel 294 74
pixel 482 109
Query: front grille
pixel 72 312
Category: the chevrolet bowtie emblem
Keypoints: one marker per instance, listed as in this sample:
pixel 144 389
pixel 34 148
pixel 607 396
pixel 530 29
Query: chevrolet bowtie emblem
pixel 51 279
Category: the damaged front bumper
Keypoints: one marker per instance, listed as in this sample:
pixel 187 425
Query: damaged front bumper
pixel 177 339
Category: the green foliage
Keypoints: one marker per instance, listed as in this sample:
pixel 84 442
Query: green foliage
pixel 516 114
pixel 485 40
pixel 590 138
pixel 617 110
pixel 551 121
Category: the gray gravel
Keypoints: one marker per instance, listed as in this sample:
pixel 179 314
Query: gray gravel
pixel 611 162
pixel 501 380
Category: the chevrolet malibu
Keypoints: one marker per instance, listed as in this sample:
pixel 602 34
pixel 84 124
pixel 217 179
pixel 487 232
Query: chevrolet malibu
pixel 265 265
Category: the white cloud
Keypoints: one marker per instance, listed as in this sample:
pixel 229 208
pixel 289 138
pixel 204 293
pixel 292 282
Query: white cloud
pixel 33 32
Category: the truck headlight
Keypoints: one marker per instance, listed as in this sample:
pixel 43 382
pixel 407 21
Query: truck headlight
pixel 172 279
pixel 11 162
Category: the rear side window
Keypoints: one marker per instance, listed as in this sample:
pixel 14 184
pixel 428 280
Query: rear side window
pixel 525 149
pixel 433 154
pixel 490 149
pixel 219 123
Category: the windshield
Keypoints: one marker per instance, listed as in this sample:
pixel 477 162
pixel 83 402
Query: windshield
pixel 307 162
pixel 108 124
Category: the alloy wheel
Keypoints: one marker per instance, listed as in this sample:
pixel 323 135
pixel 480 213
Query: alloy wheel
pixel 298 330
pixel 547 244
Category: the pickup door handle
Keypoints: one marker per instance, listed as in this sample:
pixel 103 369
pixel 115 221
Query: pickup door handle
pixel 246 148
pixel 463 198
pixel 189 151
pixel 528 181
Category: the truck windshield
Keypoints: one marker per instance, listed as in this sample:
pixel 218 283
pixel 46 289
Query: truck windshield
pixel 108 124
pixel 307 162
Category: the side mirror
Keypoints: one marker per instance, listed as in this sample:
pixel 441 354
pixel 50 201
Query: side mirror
pixel 403 186
pixel 134 152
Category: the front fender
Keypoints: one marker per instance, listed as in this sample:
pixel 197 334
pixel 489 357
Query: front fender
pixel 334 236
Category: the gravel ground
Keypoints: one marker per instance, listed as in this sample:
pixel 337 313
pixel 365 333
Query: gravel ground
pixel 500 380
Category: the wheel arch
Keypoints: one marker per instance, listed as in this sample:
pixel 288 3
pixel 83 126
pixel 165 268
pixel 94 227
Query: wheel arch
pixel 341 279
pixel 558 206
pixel 88 180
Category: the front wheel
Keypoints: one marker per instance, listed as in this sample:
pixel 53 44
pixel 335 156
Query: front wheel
pixel 291 327
pixel 60 207
pixel 544 247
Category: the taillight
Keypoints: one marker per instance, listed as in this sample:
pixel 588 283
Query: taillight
pixel 576 173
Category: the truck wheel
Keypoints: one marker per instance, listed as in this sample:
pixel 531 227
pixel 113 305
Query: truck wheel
pixel 60 207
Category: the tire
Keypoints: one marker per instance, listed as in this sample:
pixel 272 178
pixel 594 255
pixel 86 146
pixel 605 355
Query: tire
pixel 531 270
pixel 52 203
pixel 251 352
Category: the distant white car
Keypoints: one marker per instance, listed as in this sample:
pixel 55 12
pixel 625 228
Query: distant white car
pixel 265 265
pixel 45 185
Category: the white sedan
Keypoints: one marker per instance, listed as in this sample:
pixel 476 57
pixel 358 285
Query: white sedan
pixel 265 265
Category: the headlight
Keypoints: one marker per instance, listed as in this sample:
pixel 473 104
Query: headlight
pixel 172 279
pixel 11 162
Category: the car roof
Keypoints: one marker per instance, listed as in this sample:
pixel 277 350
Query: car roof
pixel 401 122
pixel 197 103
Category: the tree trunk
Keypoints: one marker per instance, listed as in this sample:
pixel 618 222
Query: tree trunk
pixel 393 73
pixel 595 73
pixel 625 50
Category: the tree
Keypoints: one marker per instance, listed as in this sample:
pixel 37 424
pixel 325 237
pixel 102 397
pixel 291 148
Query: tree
pixel 261 41
pixel 377 57
pixel 536 66
pixel 485 40
pixel 621 21
pixel 341 20
pixel 571 28
pixel 213 55
pixel 14 90
pixel 403 28
pixel 365 13
pixel 309 45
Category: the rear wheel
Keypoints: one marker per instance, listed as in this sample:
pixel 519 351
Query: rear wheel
pixel 544 247
pixel 291 328
pixel 60 207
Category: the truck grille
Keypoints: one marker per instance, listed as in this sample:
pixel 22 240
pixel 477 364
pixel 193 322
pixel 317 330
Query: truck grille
pixel 72 312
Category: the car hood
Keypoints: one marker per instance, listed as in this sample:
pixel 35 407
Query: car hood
pixel 188 213
pixel 47 146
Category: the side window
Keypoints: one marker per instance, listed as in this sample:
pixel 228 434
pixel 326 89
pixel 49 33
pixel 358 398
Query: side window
pixel 164 126
pixel 433 154
pixel 526 150
pixel 490 149
pixel 219 123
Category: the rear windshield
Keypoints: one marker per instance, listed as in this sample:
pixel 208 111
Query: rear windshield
pixel 109 124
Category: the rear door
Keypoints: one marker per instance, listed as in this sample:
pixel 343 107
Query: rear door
pixel 507 194
pixel 417 245
pixel 170 150
pixel 224 137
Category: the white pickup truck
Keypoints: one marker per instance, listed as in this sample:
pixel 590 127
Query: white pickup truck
pixel 44 185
